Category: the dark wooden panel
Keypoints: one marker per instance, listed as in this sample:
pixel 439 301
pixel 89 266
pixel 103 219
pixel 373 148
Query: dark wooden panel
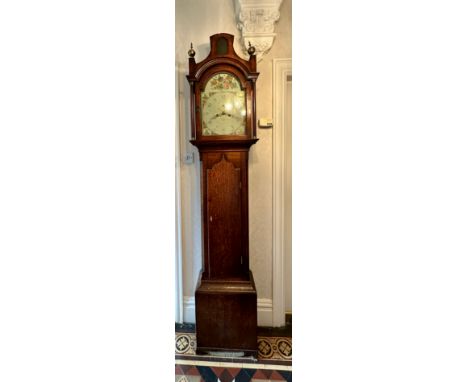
pixel 226 316
pixel 226 322
pixel 224 219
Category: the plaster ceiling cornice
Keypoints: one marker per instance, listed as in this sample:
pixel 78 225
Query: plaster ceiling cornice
pixel 256 20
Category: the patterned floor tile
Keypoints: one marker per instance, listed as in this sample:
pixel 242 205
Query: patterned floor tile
pixel 284 347
pixel 269 348
pixel 275 348
pixel 184 343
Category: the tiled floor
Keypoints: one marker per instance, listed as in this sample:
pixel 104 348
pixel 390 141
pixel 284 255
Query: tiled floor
pixel 220 372
pixel 274 362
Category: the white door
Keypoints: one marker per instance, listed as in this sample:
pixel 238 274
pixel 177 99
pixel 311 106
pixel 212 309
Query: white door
pixel 282 177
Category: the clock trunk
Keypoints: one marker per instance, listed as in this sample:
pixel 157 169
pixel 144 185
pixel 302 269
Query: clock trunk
pixel 225 212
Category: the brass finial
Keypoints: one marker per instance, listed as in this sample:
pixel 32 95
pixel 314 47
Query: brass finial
pixel 191 52
pixel 251 49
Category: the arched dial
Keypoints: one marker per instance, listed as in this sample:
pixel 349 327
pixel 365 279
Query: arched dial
pixel 223 106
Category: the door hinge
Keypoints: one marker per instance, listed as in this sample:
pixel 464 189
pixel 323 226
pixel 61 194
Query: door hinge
pixel 241 260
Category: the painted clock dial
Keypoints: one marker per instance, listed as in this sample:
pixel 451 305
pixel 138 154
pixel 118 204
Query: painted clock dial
pixel 223 106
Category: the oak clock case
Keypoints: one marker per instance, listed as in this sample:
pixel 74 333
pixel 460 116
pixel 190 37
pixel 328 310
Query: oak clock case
pixel 223 129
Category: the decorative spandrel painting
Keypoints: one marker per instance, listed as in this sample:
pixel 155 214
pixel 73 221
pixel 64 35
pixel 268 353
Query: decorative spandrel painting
pixel 223 106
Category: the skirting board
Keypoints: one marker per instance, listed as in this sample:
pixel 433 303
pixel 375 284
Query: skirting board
pixel 189 309
pixel 264 311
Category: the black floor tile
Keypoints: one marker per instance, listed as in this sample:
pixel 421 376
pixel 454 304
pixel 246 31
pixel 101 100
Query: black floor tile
pixel 283 331
pixel 185 327
pixel 245 375
pixel 207 374
pixel 287 375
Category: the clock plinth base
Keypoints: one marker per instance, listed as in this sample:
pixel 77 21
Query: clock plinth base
pixel 226 315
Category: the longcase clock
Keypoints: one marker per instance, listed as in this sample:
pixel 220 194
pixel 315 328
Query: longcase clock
pixel 223 129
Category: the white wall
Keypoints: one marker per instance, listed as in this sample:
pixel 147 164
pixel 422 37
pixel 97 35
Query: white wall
pixel 261 161
pixel 196 21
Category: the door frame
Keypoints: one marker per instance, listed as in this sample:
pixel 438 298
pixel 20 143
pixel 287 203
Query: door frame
pixel 179 290
pixel 282 68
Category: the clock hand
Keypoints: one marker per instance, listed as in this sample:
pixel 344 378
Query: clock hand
pixel 217 115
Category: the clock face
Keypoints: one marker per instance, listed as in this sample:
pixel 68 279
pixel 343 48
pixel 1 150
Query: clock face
pixel 223 106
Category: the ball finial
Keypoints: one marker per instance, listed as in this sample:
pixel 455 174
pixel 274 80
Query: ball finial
pixel 191 52
pixel 251 49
